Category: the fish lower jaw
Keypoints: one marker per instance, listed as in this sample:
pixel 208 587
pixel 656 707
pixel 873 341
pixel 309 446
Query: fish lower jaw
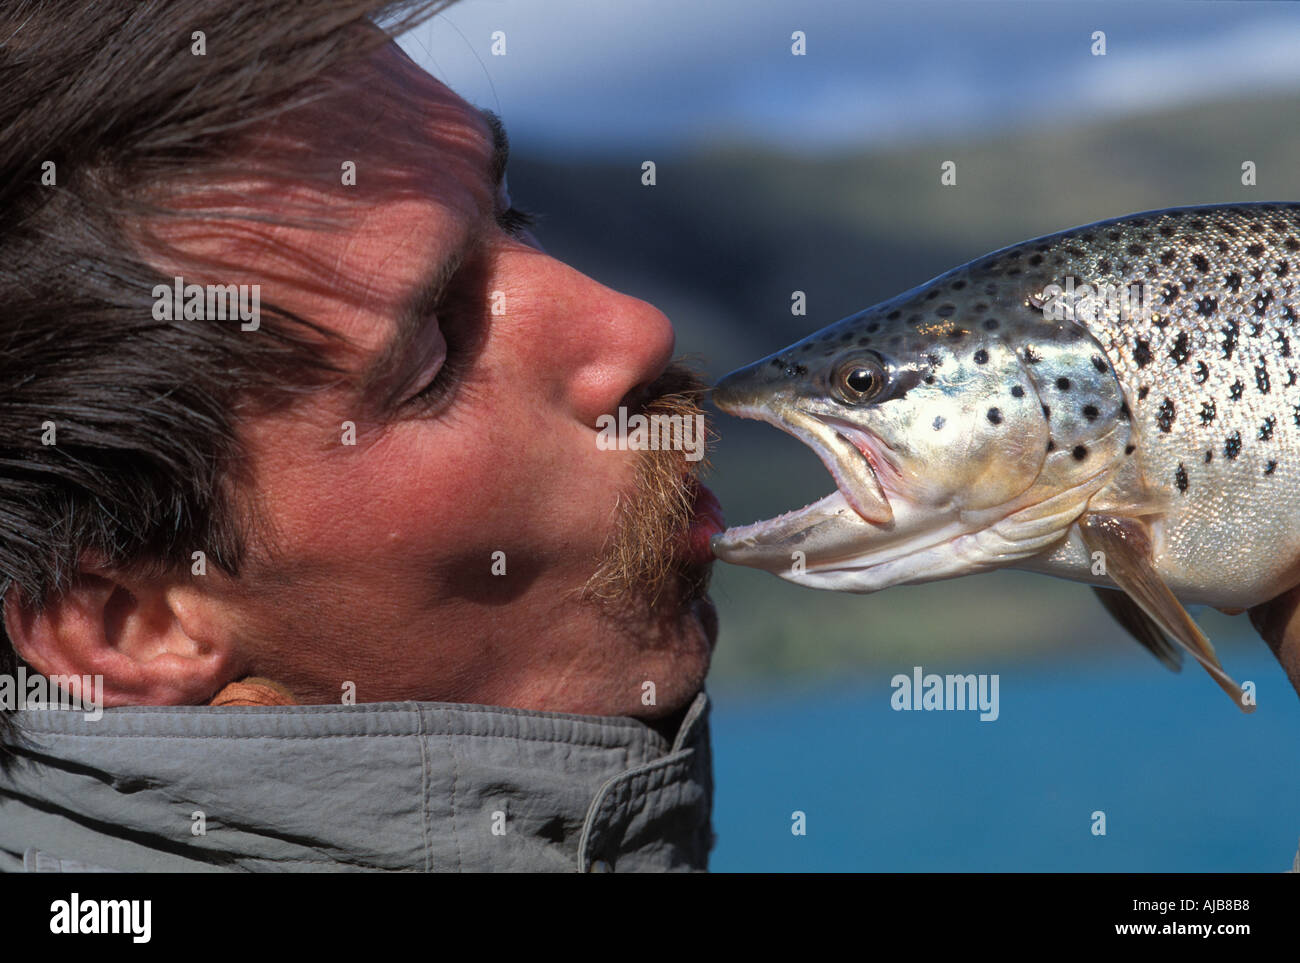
pixel 769 543
pixel 827 505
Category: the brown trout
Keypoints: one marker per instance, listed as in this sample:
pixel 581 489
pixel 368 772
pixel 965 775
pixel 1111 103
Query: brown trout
pixel 1115 404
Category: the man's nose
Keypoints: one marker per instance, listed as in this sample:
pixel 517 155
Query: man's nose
pixel 609 346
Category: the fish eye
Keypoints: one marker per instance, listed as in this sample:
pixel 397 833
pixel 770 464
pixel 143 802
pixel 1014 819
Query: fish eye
pixel 859 380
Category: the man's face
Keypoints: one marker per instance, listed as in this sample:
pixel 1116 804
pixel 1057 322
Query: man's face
pixel 475 434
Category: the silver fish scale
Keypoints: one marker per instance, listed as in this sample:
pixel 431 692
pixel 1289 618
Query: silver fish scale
pixel 1210 375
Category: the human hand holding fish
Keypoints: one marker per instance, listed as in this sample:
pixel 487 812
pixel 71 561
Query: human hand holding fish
pixel 1115 404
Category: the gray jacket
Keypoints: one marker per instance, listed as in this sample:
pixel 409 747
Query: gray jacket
pixel 398 787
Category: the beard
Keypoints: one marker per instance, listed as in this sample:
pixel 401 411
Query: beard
pixel 643 561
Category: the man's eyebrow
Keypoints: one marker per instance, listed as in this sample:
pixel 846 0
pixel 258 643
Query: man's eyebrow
pixel 500 145
pixel 413 315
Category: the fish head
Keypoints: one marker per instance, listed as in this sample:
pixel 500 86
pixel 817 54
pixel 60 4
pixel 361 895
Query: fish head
pixel 936 428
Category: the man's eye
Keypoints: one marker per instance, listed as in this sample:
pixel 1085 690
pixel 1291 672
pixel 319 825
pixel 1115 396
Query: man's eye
pixel 515 221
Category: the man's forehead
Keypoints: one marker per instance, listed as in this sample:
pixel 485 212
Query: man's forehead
pixel 407 170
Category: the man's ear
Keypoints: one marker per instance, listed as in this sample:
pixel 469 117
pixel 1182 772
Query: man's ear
pixel 148 638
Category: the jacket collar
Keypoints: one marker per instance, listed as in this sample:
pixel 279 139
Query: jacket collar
pixel 378 786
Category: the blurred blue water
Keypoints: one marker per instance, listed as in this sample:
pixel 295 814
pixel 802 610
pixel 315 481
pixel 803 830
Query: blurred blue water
pixel 1187 783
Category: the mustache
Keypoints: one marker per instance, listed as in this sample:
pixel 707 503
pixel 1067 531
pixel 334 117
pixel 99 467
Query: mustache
pixel 642 556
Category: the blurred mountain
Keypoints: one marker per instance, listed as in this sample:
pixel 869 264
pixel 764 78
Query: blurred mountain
pixel 725 236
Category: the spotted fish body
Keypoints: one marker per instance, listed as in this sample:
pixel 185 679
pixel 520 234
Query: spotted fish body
pixel 1018 411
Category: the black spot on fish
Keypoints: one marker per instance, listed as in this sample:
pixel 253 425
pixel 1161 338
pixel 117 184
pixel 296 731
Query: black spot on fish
pixel 1166 230
pixel 893 315
pixel 1200 262
pixel 1232 446
pixel 1079 453
pixel 1114 235
pixel 1103 266
pixel 1031 356
pixel 1282 269
pixel 1254 250
pixel 958 285
pixel 995 416
pixel 1051 445
pixel 1167 258
pixel 929 379
pixel 862 342
pixel 1036 260
pixel 1180 478
pixel 1266 429
pixel 846 337
pixel 1207 412
pixel 981 356
pixel 1047 413
pixel 1123 410
pixel 777 363
pixel 1136 249
pixel 1142 392
pixel 944 310
pixel 1283 345
pixel 1209 456
pixel 1261 378
pixel 1233 281
pixel 1221 246
pixel 1017 392
pixel 1063 384
pixel 1270 466
pixel 934 294
pixel 1262 300
pixel 1129 449
pixel 1235 390
pixel 1180 351
pixel 1230 338
pixel 874 326
pixel 1165 415
pixel 1099 364
pixel 1169 293
pixel 938 422
pixel 1292 244
pixel 990 324
pixel 1202 372
pixel 1090 412
pixel 1142 352
pixel 1207 305
pixel 956 334
pixel 1256 329
pixel 980 308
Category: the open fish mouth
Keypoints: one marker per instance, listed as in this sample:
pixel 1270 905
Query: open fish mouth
pixel 857 507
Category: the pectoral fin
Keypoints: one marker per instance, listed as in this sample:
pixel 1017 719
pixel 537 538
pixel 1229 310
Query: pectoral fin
pixel 1126 544
pixel 1140 625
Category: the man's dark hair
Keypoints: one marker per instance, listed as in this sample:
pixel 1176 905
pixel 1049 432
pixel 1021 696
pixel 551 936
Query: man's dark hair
pixel 102 101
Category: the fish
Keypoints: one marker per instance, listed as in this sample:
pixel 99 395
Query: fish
pixel 1117 404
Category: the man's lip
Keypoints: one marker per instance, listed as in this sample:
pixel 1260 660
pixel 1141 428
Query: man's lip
pixel 706 521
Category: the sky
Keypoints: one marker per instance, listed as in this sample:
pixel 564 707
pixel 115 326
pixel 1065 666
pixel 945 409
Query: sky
pixel 581 75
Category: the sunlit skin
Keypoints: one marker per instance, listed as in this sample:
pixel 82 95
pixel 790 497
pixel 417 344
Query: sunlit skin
pixel 381 569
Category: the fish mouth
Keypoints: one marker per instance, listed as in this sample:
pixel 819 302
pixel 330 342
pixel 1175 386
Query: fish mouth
pixel 855 461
